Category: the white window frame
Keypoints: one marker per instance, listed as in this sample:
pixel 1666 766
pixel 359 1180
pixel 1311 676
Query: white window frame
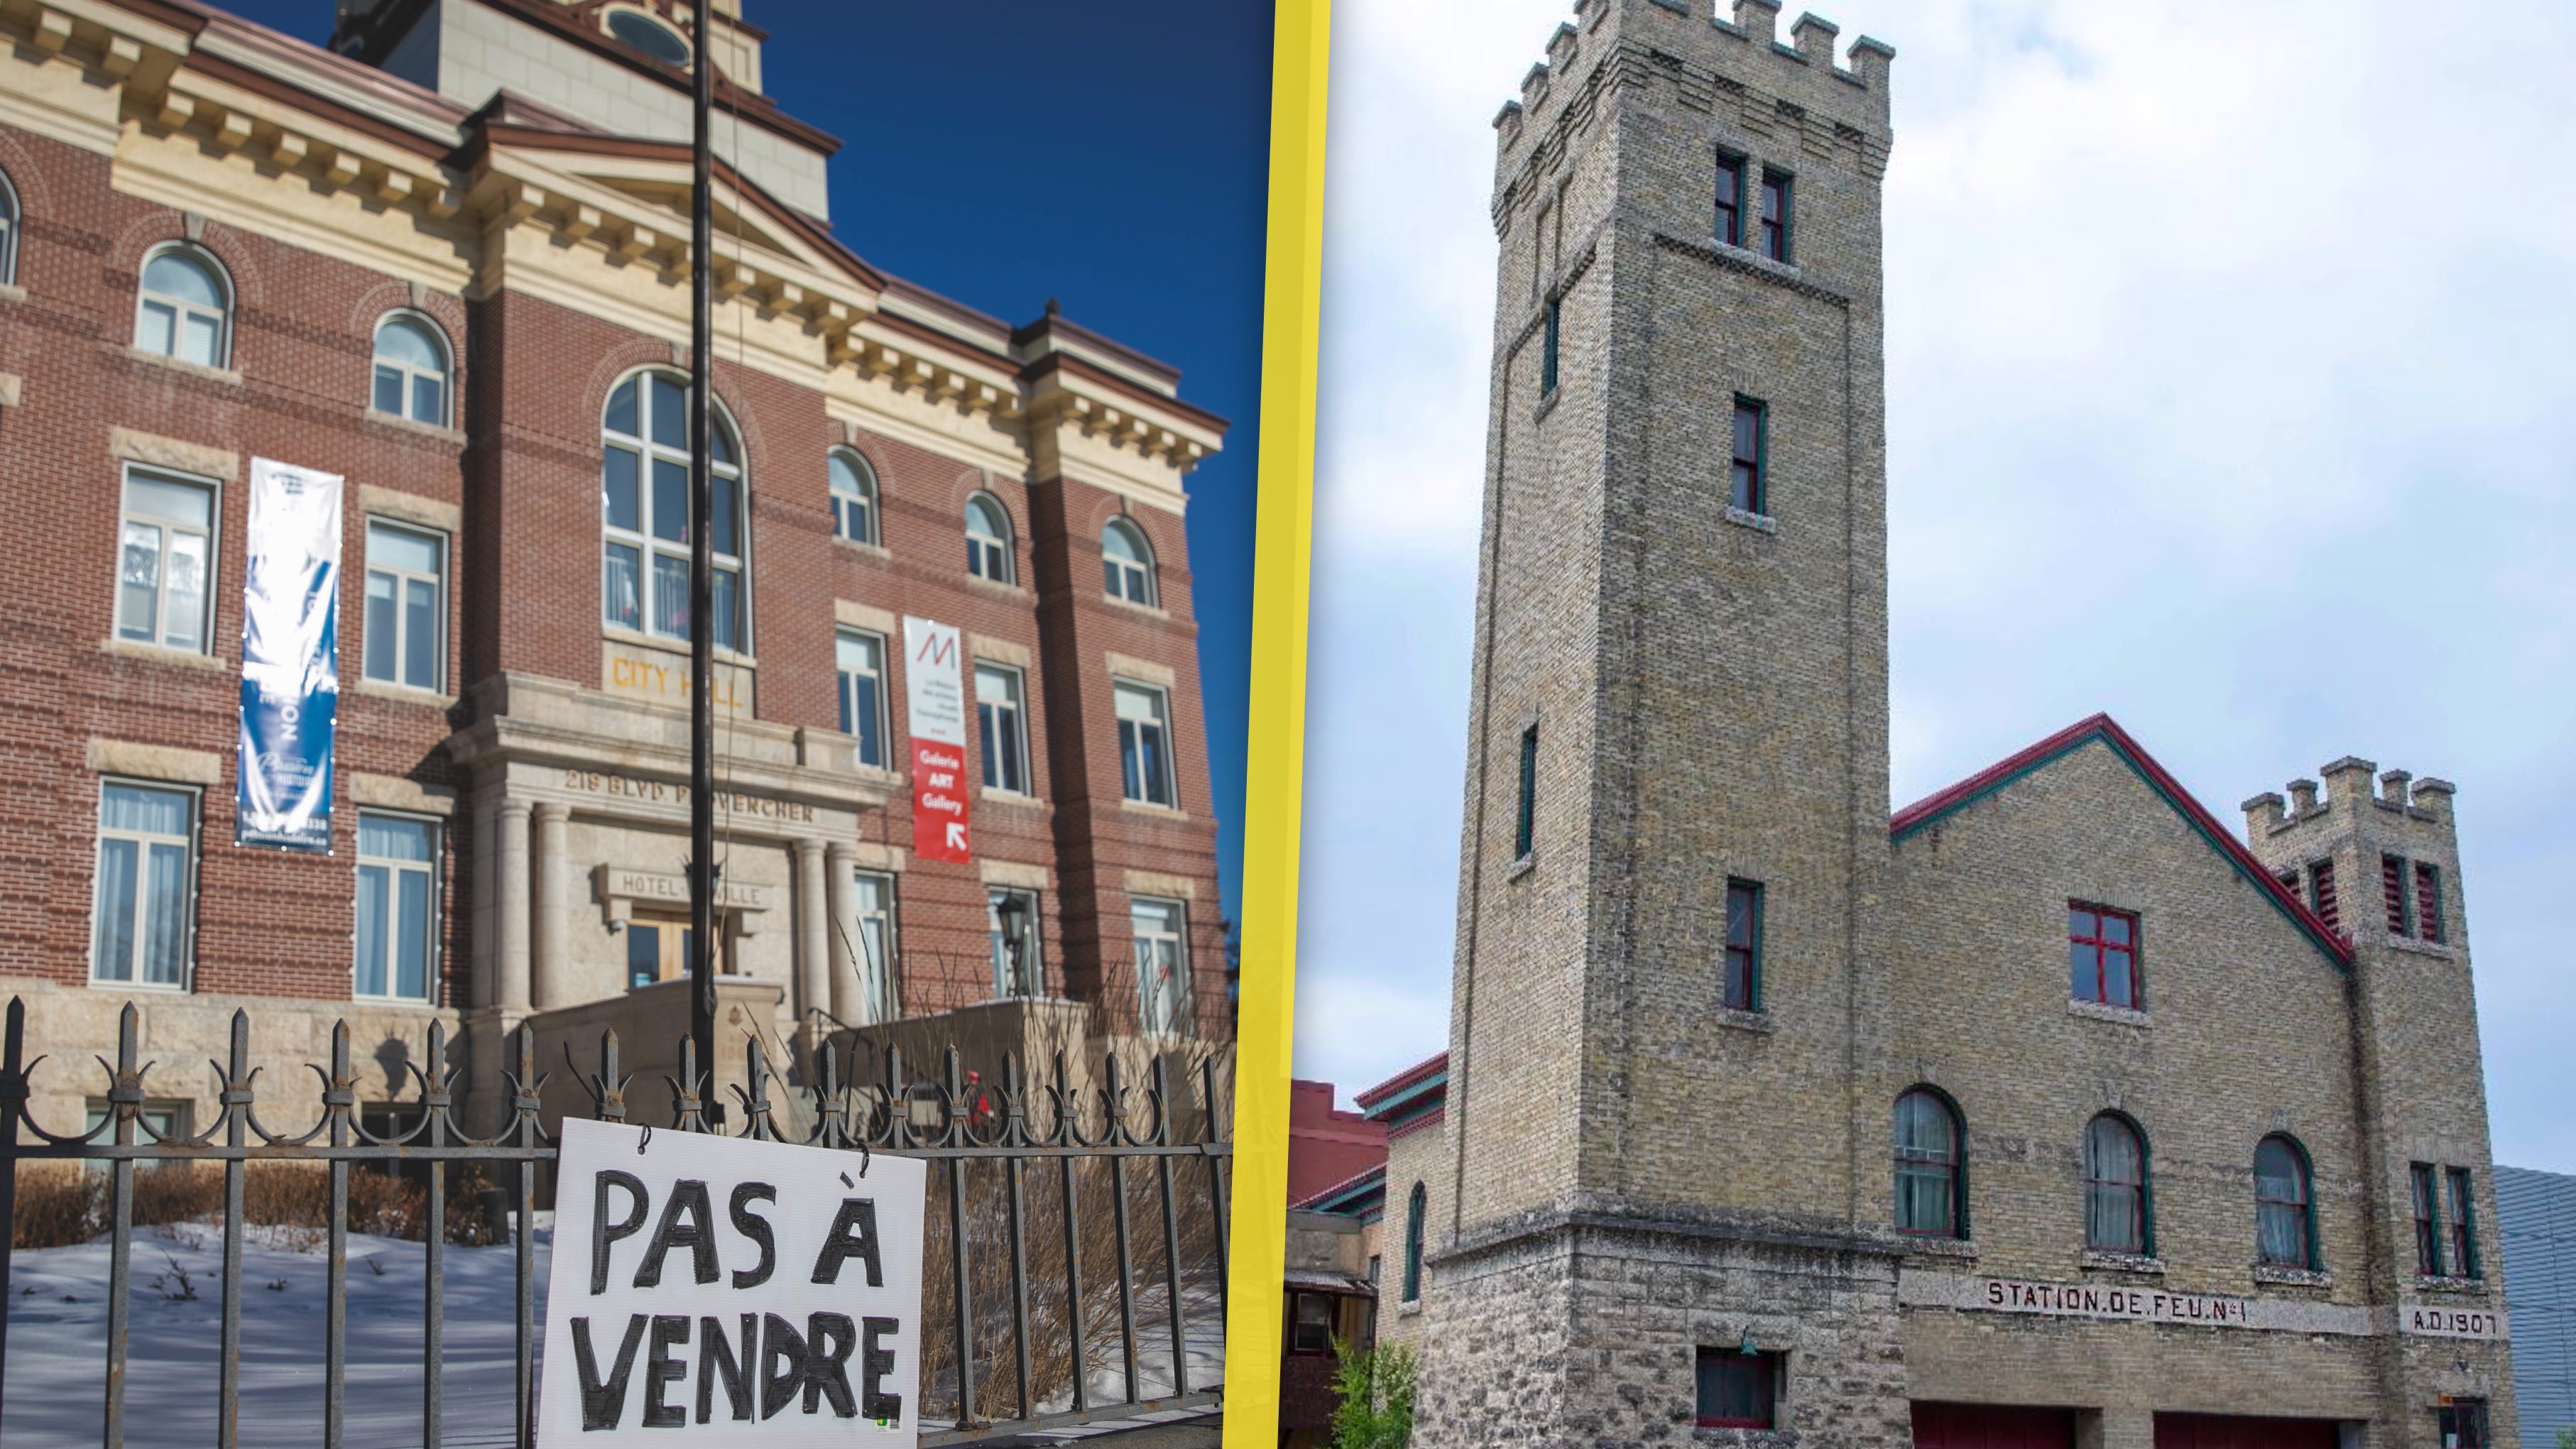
pixel 841 689
pixel 641 539
pixel 1012 702
pixel 181 310
pixel 11 225
pixel 986 553
pixel 125 516
pixel 188 838
pixel 1135 582
pixel 445 377
pixel 863 502
pixel 1154 1020
pixel 429 920
pixel 438 606
pixel 1170 799
pixel 878 1000
pixel 1033 965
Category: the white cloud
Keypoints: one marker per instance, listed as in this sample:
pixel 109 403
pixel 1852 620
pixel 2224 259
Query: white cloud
pixel 2226 392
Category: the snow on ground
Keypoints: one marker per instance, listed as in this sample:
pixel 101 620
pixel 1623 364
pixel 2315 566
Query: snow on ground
pixel 57 1367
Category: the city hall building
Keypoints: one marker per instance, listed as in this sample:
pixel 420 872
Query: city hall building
pixel 445 262
pixel 2048 1111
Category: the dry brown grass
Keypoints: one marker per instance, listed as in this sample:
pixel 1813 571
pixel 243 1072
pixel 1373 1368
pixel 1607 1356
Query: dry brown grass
pixel 60 1204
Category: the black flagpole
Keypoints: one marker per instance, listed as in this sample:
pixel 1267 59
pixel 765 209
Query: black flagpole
pixel 702 812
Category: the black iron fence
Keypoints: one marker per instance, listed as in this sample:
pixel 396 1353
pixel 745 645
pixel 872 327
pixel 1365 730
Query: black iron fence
pixel 1064 1217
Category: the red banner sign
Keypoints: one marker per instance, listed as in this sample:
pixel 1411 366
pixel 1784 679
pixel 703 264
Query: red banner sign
pixel 935 716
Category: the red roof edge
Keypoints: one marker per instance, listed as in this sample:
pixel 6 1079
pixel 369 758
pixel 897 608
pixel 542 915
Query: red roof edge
pixel 2101 726
pixel 1427 1067
pixel 1375 1170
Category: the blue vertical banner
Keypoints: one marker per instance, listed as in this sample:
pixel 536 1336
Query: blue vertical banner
pixel 290 692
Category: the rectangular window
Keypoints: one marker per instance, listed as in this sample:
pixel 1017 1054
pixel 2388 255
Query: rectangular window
pixel 1145 743
pixel 397 893
pixel 147 868
pixel 1310 1323
pixel 658 948
pixel 2461 1208
pixel 2321 894
pixel 2428 1223
pixel 874 946
pixel 1538 252
pixel 1004 733
pixel 165 561
pixel 1161 933
pixel 1547 351
pixel 1011 917
pixel 1775 214
pixel 1738 1390
pixel 406 594
pixel 2463 1424
pixel 1730 199
pixel 861 662
pixel 1743 985
pixel 1748 481
pixel 163 1117
pixel 2102 954
pixel 2392 888
pixel 2428 901
pixel 1525 828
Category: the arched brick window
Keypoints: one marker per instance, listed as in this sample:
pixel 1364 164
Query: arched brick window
pixel 1416 1208
pixel 2284 1205
pixel 2115 1187
pixel 644 514
pixel 1931 1166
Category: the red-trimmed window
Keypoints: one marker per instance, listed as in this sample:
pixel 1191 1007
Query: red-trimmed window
pixel 1730 199
pixel 1775 214
pixel 1738 1390
pixel 2102 954
pixel 1743 986
pixel 2321 894
pixel 2428 901
pixel 2428 1225
pixel 2289 880
pixel 2392 889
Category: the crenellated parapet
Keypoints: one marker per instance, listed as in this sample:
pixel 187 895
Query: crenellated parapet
pixel 1765 86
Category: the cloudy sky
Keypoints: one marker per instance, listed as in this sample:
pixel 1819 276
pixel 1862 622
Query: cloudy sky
pixel 2230 390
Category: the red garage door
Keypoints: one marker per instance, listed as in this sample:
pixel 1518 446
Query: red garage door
pixel 1989 1426
pixel 2211 1431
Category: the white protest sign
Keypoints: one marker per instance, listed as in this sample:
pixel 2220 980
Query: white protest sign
pixel 715 1290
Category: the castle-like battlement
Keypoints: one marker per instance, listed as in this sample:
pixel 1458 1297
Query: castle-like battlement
pixel 1746 50
pixel 2349 788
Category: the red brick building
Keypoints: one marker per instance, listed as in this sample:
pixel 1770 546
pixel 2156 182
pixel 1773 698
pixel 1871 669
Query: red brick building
pixel 447 259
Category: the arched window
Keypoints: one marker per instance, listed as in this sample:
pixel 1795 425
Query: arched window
pixel 1416 1208
pixel 2284 1205
pixel 8 231
pixel 644 514
pixel 1931 1163
pixel 854 497
pixel 184 307
pixel 649 36
pixel 2115 1187
pixel 988 539
pixel 411 370
pixel 1128 560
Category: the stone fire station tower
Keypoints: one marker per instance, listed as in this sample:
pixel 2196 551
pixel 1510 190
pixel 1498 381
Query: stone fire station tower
pixel 1701 973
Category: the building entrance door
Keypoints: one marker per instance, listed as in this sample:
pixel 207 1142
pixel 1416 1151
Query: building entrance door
pixel 2216 1431
pixel 1991 1426
pixel 657 948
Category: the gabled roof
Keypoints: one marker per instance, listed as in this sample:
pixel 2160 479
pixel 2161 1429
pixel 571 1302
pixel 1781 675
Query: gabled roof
pixel 1940 805
pixel 1362 1193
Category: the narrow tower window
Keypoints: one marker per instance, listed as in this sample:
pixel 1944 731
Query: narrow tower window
pixel 1415 1210
pixel 1743 986
pixel 2428 901
pixel 1748 487
pixel 1547 351
pixel 1730 199
pixel 2428 1224
pixel 2392 887
pixel 2463 1222
pixel 2321 894
pixel 1525 828
pixel 1775 214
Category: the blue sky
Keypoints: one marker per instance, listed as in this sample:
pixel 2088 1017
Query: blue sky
pixel 2227 392
pixel 1114 157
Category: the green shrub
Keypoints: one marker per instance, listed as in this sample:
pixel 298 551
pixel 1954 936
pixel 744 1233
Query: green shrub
pixel 1374 1387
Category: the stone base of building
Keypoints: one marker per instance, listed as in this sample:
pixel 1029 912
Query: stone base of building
pixel 1586 1328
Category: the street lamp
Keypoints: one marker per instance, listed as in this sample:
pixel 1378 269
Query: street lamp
pixel 1013 912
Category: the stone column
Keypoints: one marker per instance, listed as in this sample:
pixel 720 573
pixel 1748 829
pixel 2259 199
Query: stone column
pixel 848 1001
pixel 553 920
pixel 813 933
pixel 510 865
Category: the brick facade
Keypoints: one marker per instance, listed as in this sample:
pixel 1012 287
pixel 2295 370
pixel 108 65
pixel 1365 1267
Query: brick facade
pixel 1630 1174
pixel 547 255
